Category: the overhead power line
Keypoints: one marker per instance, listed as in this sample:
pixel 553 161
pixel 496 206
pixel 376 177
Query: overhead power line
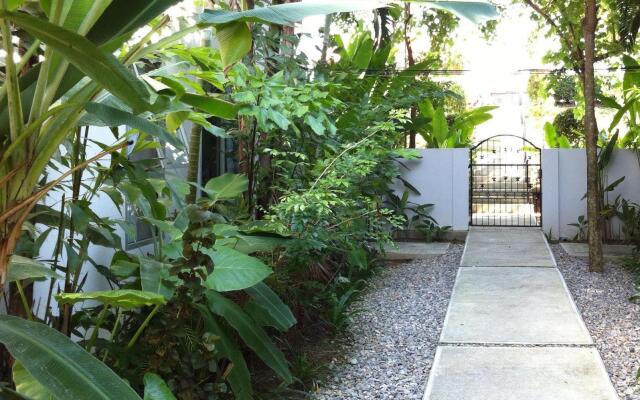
pixel 540 71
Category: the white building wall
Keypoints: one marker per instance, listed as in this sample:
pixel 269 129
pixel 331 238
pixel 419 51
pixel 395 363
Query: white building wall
pixel 442 178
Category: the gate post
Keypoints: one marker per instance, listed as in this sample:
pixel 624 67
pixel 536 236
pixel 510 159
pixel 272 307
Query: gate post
pixel 550 192
pixel 460 187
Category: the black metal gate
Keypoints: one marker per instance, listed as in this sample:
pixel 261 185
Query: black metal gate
pixel 506 182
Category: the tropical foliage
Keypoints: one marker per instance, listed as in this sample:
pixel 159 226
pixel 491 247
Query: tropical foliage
pixel 232 264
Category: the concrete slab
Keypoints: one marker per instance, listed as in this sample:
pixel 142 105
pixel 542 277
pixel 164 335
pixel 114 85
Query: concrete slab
pixel 611 251
pixel 512 305
pixel 522 373
pixel 506 247
pixel 415 250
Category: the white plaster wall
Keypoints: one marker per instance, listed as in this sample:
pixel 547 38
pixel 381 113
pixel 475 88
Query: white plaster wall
pixel 442 178
pixel 564 183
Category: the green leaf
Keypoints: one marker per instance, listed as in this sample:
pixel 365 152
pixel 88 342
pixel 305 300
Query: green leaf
pixel 235 41
pixel 155 388
pixel 563 142
pixel 101 67
pixel 604 157
pixel 238 376
pixel 114 117
pixel 315 125
pixel 248 244
pixel 290 13
pixel 234 270
pixel 227 186
pixel 165 227
pixel 27 386
pixel 252 334
pixel 440 126
pixel 235 38
pixel 173 120
pixel 79 218
pixel 279 119
pixel 13 5
pixel 125 298
pixel 21 268
pixel 613 185
pixel 550 135
pixel 65 369
pixel 270 303
pixel 152 276
pixel 212 105
pixel 363 53
pixel 618 116
pixel 474 11
pixel 122 18
pixel 426 108
pixel 609 102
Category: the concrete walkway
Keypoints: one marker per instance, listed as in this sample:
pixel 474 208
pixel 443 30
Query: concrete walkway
pixel 512 330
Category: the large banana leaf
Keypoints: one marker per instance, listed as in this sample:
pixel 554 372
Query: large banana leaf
pixel 153 274
pixel 27 386
pixel 122 18
pixel 235 40
pixel 474 11
pixel 65 369
pixel 100 66
pixel 238 376
pixel 212 105
pixel 271 304
pixel 125 298
pixel 21 268
pixel 290 13
pixel 111 116
pixel 253 335
pixel 227 186
pixel 114 26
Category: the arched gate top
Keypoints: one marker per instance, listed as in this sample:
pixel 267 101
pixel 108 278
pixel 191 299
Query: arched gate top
pixel 505 135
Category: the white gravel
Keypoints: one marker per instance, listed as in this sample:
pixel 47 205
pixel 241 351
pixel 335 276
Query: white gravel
pixel 612 320
pixel 388 350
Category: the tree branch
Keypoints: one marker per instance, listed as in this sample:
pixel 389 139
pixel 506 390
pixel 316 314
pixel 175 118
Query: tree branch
pixel 571 47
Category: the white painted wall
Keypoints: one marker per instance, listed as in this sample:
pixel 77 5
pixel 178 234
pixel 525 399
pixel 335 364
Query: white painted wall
pixel 442 177
pixel 564 183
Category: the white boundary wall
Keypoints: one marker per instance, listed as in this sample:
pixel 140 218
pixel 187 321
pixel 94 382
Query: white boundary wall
pixel 564 183
pixel 442 177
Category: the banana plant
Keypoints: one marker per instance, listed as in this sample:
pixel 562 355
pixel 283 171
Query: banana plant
pixel 629 110
pixel 66 60
pixel 436 129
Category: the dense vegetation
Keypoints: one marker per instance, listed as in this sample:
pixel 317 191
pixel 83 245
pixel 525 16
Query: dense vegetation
pixel 241 269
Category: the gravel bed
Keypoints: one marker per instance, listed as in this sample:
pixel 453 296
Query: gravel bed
pixel 388 349
pixel 613 321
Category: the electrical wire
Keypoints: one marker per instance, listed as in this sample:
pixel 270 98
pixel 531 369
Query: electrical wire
pixel 453 72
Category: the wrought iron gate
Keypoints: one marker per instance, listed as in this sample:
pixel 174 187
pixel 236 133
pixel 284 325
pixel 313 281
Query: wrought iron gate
pixel 506 182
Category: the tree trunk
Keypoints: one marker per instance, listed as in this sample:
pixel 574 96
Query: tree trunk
pixel 411 62
pixel 591 133
pixel 194 161
pixel 326 38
